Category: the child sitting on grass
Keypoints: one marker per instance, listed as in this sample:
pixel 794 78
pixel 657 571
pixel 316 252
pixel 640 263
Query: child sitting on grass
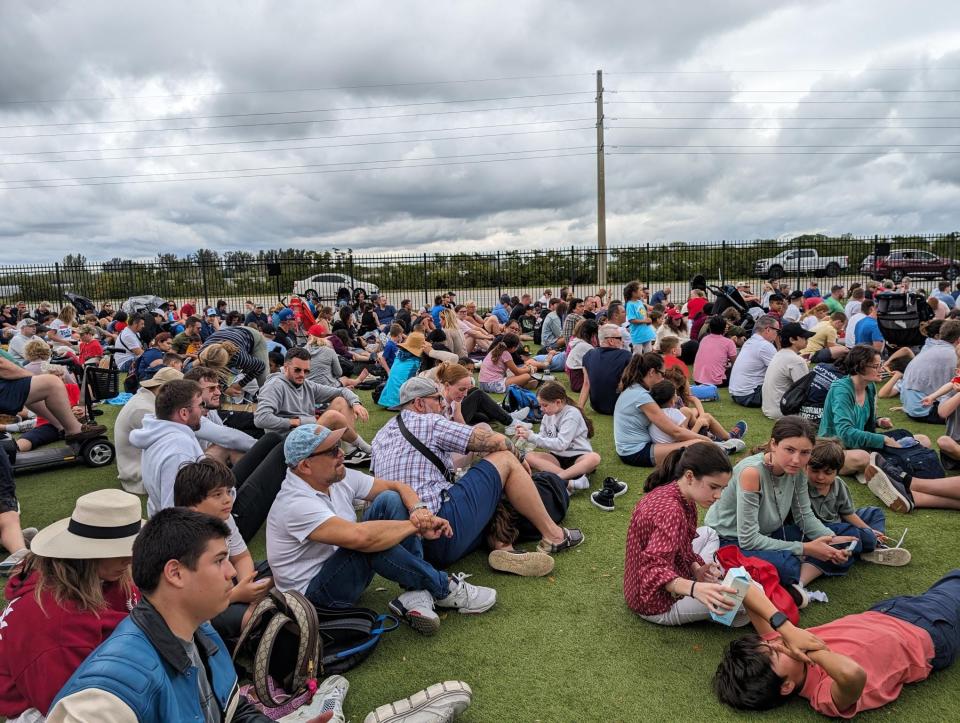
pixel 565 433
pixel 207 486
pixel 668 396
pixel 669 345
pixel 831 503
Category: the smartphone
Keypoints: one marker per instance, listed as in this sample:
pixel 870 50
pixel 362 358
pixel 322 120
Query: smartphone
pixel 848 546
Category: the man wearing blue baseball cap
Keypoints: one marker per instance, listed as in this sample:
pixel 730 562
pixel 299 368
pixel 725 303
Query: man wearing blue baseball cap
pixel 316 546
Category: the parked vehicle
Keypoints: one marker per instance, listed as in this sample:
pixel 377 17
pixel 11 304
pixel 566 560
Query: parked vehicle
pixel 804 261
pixel 910 262
pixel 327 286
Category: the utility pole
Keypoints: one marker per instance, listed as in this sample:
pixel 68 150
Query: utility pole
pixel 601 191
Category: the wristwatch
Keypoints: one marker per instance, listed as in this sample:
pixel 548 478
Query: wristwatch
pixel 419 506
pixel 777 619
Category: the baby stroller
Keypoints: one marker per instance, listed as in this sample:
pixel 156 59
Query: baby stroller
pixel 900 316
pixel 727 297
pixel 82 304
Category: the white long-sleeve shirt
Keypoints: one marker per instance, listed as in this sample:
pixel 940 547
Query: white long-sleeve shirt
pixel 563 434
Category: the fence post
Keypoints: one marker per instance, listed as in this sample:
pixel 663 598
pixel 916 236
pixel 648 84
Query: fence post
pixel 499 278
pixel 426 300
pixel 723 261
pixel 646 281
pixel 350 265
pixel 573 284
pixel 203 280
pixel 59 285
pixel 799 265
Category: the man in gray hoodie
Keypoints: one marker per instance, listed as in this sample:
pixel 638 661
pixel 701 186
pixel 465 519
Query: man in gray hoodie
pixel 288 399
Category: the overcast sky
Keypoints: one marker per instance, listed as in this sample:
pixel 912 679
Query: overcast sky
pixel 724 120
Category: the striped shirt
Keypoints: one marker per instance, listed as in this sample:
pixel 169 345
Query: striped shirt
pixel 249 366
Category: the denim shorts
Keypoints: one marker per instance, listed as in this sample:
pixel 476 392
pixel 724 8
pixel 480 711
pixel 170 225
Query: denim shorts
pixel 14 394
pixel 641 458
pixel 468 506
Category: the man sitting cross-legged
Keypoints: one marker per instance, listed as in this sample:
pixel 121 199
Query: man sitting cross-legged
pixel 853 664
pixel 470 504
pixel 316 546
pixel 288 399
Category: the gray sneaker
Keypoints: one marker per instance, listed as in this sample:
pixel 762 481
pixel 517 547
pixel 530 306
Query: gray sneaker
pixel 8 565
pixel 468 599
pixel 28 534
pixel 415 607
pixel 440 703
pixel 331 693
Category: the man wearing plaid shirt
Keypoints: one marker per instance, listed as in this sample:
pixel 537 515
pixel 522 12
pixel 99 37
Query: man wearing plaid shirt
pixel 470 503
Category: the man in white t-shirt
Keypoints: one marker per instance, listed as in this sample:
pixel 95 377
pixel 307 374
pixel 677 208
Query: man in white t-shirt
pixel 794 308
pixel 316 546
pixel 750 366
pixel 786 367
pixel 128 345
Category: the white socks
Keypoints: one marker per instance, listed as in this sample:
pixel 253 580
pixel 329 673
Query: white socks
pixel 579 483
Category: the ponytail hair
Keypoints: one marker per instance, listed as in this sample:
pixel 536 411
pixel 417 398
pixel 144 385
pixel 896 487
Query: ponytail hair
pixel 507 341
pixel 554 392
pixel 451 373
pixel 700 458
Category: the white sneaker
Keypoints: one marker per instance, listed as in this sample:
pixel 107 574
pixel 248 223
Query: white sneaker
pixel 415 607
pixel 8 565
pixel 440 703
pixel 331 693
pixel 468 599
pixel 521 413
pixel 732 445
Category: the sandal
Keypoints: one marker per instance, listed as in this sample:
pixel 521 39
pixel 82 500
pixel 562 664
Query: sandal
pixel 571 538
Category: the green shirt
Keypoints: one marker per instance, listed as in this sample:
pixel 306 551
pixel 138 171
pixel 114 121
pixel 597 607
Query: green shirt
pixel 834 505
pixel 853 423
pixel 751 517
pixel 833 304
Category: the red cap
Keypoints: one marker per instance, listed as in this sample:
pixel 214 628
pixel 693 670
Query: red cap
pixel 674 314
pixel 318 330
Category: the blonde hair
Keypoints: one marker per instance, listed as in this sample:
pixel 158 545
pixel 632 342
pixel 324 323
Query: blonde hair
pixel 68 314
pixel 86 329
pixel 217 356
pixel 73 580
pixel 819 308
pixel 451 373
pixel 448 319
pixel 36 350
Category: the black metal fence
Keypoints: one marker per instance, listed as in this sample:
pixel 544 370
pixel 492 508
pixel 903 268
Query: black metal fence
pixel 268 277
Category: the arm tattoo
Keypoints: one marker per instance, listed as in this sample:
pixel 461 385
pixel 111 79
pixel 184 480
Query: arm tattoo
pixel 484 441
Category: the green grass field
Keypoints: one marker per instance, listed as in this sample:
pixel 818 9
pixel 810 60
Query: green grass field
pixel 565 647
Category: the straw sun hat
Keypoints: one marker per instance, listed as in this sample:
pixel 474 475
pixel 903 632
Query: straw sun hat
pixel 104 524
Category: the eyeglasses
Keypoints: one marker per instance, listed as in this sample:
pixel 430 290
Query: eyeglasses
pixel 334 451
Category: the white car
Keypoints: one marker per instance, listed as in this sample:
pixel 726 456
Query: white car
pixel 327 286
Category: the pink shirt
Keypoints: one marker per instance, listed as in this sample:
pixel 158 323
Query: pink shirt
pixel 710 364
pixel 492 372
pixel 891 651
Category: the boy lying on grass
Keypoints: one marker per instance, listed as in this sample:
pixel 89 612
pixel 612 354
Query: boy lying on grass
pixel 853 664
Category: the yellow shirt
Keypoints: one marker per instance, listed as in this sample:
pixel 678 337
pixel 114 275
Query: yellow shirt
pixel 824 335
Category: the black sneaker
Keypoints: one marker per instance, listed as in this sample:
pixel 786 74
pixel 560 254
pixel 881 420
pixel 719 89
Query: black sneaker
pixel 619 487
pixel 356 457
pixel 603 499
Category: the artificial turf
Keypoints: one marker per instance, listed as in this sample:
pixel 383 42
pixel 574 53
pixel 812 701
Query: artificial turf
pixel 565 647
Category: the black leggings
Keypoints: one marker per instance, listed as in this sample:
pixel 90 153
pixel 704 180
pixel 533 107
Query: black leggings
pixel 479 407
pixel 259 473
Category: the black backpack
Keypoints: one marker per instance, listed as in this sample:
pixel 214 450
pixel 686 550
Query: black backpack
pixel 806 396
pixel 556 500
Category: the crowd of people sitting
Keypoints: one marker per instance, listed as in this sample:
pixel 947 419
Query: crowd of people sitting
pixel 239 421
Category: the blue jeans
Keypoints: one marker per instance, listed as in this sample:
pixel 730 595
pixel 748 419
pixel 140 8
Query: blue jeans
pixel 787 563
pixel 556 364
pixel 347 573
pixel 874 517
pixel 937 611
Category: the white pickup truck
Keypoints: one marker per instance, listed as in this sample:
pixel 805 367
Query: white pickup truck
pixel 804 261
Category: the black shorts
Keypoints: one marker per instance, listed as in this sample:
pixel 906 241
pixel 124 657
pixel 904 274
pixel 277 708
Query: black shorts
pixel 641 458
pixel 13 394
pixel 567 462
pixel 931 417
pixel 39 436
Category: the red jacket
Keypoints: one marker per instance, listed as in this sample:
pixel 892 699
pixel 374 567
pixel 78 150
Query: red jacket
pixel 41 649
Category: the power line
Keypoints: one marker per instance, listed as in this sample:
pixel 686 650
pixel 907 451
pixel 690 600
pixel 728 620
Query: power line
pixel 297 166
pixel 782 102
pixel 777 153
pixel 290 112
pixel 299 122
pixel 784 71
pixel 299 173
pixel 809 90
pixel 296 148
pixel 302 138
pixel 268 91
pixel 791 145
pixel 777 118
pixel 780 128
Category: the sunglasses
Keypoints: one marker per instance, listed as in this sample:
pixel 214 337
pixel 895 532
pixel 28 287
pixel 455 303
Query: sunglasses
pixel 334 451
